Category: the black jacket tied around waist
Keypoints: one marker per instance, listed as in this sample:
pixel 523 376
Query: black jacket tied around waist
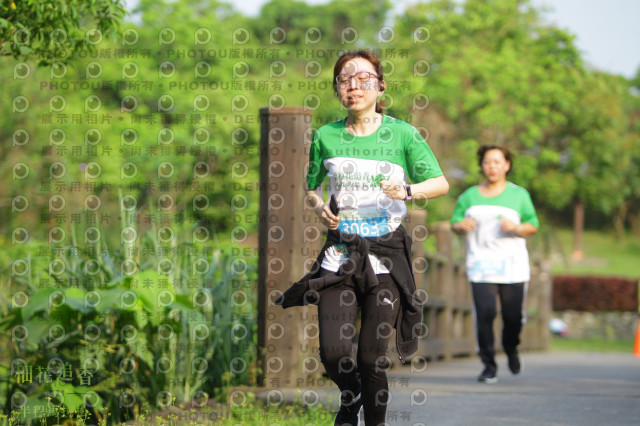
pixel 394 251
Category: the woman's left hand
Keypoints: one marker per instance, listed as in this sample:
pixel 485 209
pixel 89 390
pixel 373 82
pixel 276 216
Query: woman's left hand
pixel 507 225
pixel 393 189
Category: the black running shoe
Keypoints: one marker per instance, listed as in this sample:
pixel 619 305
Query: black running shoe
pixel 488 375
pixel 514 362
pixel 348 413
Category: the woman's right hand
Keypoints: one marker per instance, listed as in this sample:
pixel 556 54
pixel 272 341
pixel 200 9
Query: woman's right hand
pixel 467 224
pixel 330 220
pixel 322 209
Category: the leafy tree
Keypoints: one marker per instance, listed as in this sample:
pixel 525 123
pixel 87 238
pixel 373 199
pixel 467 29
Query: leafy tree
pixel 296 18
pixel 53 30
pixel 500 75
pixel 629 210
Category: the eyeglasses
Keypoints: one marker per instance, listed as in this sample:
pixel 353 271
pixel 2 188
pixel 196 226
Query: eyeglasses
pixel 361 77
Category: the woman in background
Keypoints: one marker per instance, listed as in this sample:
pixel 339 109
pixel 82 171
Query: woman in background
pixel 495 217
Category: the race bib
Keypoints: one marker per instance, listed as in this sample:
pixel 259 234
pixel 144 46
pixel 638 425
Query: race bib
pixel 373 227
pixel 364 222
pixel 491 270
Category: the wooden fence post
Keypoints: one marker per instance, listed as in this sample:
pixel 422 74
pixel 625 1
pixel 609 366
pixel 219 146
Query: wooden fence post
pixel 287 339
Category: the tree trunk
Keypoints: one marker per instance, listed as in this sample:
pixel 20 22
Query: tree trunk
pixel 619 218
pixel 635 224
pixel 578 226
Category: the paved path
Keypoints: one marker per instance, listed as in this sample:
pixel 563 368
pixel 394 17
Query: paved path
pixel 554 389
pixel 557 388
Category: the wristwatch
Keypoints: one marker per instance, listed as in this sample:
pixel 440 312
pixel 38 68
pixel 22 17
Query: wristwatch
pixel 407 189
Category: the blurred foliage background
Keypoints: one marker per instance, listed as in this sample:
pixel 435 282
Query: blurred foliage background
pixel 184 80
pixel 131 153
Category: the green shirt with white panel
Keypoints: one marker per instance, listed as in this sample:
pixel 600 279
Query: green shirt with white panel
pixel 495 256
pixel 355 165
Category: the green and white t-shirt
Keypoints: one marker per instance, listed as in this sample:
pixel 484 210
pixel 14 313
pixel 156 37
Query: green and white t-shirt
pixel 495 256
pixel 355 165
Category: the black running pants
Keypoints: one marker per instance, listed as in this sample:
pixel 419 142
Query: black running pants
pixel 336 319
pixel 511 304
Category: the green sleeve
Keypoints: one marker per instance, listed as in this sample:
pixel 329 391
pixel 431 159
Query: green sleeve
pixel 316 172
pixel 461 208
pixel 421 163
pixel 528 213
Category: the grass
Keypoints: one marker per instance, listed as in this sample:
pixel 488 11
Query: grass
pixel 604 254
pixel 249 414
pixel 559 344
pixel 288 415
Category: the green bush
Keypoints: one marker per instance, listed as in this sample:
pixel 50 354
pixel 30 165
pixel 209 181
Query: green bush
pixel 95 335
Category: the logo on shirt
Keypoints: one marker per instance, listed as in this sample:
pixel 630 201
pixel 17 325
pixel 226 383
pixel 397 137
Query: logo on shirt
pixel 375 180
